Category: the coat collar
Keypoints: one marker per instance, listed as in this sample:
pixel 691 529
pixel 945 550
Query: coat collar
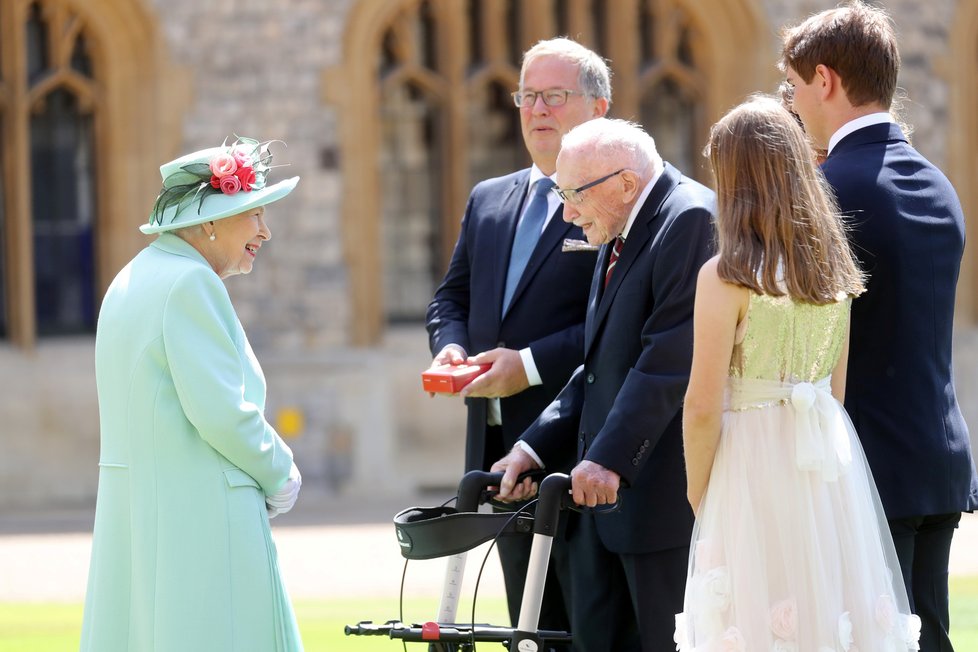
pixel 878 133
pixel 174 244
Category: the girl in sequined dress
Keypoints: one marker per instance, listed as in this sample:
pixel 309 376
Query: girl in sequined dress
pixel 790 551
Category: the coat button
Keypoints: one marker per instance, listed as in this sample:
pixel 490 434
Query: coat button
pixel 646 444
pixel 634 461
pixel 590 379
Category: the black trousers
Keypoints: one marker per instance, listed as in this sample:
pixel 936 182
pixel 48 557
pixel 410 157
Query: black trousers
pixel 923 546
pixel 623 602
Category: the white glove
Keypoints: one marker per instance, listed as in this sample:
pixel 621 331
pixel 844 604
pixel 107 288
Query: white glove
pixel 282 500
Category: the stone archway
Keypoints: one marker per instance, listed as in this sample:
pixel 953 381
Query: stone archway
pixel 125 96
pixel 719 27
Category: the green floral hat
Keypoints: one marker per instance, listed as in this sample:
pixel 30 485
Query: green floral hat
pixel 215 183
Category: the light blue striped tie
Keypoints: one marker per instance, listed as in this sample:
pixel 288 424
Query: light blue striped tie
pixel 527 234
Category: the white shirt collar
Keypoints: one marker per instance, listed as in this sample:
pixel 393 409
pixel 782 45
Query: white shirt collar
pixel 641 201
pixel 857 124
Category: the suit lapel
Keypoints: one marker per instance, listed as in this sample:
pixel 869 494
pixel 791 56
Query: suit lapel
pixel 553 236
pixel 636 244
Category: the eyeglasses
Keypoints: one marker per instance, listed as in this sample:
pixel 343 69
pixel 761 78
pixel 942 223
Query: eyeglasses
pixel 551 97
pixel 787 92
pixel 573 196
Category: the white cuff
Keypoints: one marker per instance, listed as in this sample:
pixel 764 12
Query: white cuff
pixel 530 367
pixel 529 451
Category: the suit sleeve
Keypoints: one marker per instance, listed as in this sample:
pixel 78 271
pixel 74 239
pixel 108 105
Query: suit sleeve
pixel 651 397
pixel 553 436
pixel 199 329
pixel 558 354
pixel 448 313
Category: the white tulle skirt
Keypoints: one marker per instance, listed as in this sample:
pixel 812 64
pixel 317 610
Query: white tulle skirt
pixel 790 550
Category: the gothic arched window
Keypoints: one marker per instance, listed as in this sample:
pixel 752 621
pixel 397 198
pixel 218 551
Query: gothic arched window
pixel 424 92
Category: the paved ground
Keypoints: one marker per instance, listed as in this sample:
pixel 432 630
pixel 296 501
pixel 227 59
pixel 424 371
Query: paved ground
pixel 327 548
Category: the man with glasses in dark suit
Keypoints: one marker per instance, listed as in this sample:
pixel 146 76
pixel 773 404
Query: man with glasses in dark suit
pixel 515 293
pixel 619 419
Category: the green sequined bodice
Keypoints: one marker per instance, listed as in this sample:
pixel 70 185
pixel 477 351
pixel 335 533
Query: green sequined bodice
pixel 789 341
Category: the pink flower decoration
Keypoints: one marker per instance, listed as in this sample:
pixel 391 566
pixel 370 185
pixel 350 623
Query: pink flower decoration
pixel 732 641
pixel 784 619
pixel 215 181
pixel 222 165
pixel 241 157
pixel 230 184
pixel 246 175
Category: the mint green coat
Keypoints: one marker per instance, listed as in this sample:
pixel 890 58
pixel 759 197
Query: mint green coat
pixel 182 557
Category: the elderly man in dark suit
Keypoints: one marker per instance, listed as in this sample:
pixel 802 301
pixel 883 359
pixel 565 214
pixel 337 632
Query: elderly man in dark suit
pixel 619 418
pixel 907 229
pixel 516 289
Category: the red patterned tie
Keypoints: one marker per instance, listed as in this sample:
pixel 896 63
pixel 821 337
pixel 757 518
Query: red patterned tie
pixel 615 252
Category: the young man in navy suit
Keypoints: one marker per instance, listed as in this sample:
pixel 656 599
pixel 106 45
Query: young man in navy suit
pixel 907 229
pixel 619 419
pixel 515 295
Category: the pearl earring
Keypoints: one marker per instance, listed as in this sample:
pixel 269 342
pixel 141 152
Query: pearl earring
pixel 213 237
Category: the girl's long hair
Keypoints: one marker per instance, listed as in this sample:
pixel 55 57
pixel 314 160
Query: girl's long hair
pixel 779 229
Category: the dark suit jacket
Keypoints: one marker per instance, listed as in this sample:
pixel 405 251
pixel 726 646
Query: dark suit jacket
pixel 546 312
pixel 908 233
pixel 622 407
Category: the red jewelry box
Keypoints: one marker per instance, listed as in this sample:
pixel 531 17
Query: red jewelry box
pixel 449 379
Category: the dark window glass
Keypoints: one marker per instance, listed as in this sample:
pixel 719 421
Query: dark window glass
pixel 80 60
pixel 494 136
pixel 514 33
pixel 563 19
pixel 670 115
pixel 63 196
pixel 477 48
pixel 427 39
pixel 411 170
pixel 37 44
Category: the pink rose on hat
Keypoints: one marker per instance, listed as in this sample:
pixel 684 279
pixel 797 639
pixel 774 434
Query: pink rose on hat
pixel 222 165
pixel 230 184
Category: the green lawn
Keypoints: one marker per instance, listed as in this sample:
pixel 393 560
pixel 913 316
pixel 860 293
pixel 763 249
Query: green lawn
pixel 55 627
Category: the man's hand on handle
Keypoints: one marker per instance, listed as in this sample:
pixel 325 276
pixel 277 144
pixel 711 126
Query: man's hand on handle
pixel 516 462
pixel 593 484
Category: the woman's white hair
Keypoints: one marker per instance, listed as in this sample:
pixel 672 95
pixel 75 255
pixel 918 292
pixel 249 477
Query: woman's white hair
pixel 622 141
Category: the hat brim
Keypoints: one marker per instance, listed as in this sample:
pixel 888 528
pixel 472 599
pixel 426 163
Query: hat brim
pixel 218 206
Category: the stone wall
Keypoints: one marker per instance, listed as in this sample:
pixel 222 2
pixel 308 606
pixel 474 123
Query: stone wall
pixel 367 427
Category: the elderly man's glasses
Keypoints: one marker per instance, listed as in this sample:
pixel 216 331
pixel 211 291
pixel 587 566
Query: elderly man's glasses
pixel 573 195
pixel 551 97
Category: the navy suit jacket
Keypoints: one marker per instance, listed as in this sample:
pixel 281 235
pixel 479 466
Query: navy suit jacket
pixel 545 314
pixel 907 230
pixel 623 406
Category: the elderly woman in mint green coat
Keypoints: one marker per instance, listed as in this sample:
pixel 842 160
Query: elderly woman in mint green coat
pixel 190 470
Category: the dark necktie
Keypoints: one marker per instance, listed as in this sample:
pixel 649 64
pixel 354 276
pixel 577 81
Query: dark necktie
pixel 615 252
pixel 527 234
